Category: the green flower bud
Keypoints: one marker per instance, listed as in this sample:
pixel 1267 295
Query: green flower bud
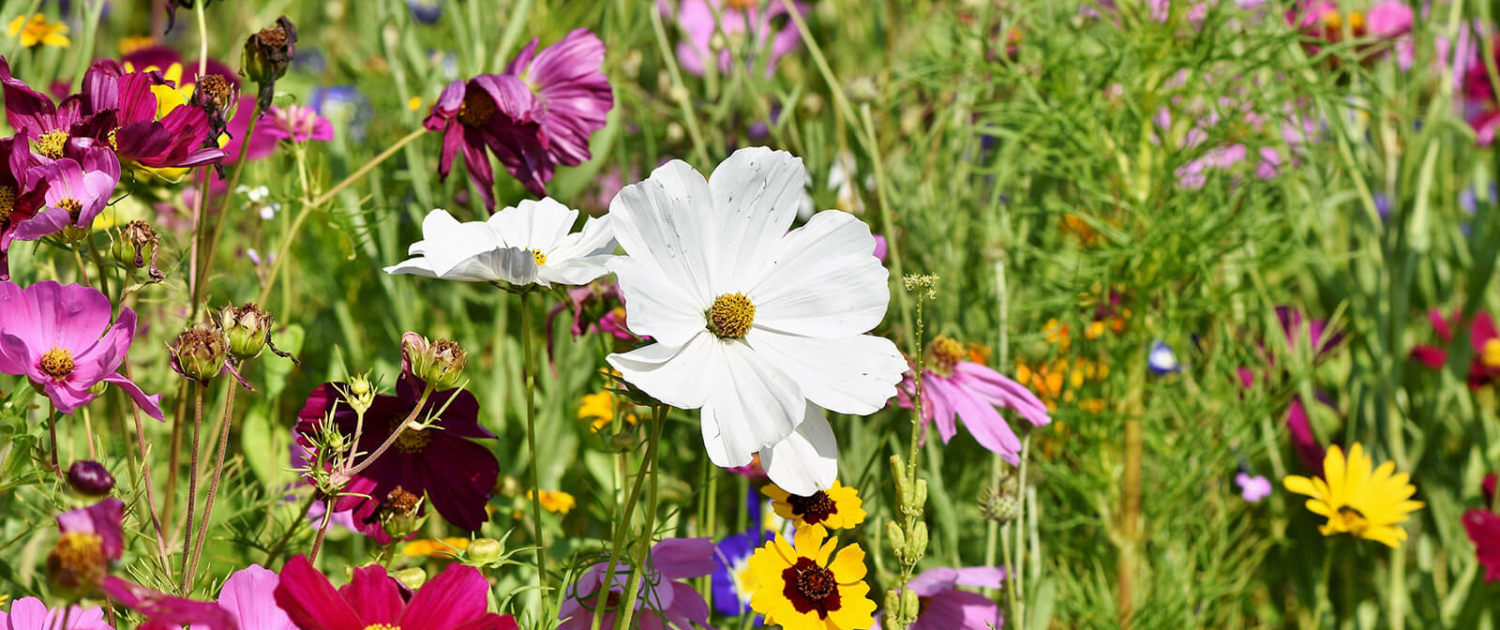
pixel 199 353
pixel 910 606
pixel 897 536
pixel 361 393
pixel 413 577
pixel 919 496
pixel 917 546
pixel 483 551
pixel 893 610
pixel 439 364
pixel 136 247
pixel 862 90
pixel 248 329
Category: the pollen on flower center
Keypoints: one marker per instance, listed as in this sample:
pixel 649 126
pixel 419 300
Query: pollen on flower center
pixel 413 440
pixel 7 201
pixel 1352 520
pixel 731 315
pixel 1490 355
pixel 57 363
pixel 73 206
pixel 477 109
pixel 51 144
pixel 541 258
pixel 813 509
pixel 947 353
pixel 810 587
pixel 80 555
pixel 742 5
pixel 381 626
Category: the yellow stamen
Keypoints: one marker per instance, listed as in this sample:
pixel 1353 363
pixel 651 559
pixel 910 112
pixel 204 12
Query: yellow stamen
pixel 57 363
pixel 541 259
pixel 731 315
pixel 51 144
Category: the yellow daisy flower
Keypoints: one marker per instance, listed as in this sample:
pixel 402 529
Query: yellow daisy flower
pixel 132 43
pixel 434 548
pixel 554 501
pixel 798 588
pixel 598 408
pixel 838 507
pixel 1358 501
pixel 37 30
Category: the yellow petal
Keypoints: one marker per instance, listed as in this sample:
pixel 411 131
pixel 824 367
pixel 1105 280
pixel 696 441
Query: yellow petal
pixel 849 565
pixel 809 539
pixel 856 610
pixel 1300 485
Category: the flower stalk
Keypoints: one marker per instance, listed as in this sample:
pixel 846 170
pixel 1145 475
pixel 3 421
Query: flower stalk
pixel 528 367
pixel 648 528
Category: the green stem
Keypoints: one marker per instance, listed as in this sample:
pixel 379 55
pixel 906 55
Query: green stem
pixel 621 526
pixel 528 368
pixel 224 215
pixel 648 529
pixel 187 532
pixel 213 484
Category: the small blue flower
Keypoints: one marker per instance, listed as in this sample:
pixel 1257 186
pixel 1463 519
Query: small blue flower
pixel 344 106
pixel 1161 359
pixel 426 11
pixel 732 554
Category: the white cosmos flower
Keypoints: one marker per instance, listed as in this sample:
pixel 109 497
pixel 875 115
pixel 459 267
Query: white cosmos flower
pixel 531 243
pixel 758 326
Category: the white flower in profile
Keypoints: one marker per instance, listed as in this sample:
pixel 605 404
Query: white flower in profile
pixel 760 327
pixel 531 243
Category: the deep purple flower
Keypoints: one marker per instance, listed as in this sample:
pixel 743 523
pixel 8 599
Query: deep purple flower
pixel 158 133
pixel 74 192
pixel 51 333
pixel 49 128
pixel 29 613
pixel 426 11
pixel 664 598
pixel 946 607
pixel 954 386
pixel 444 462
pixel 574 93
pixel 498 113
pixel 19 201
pixel 454 600
pixel 736 17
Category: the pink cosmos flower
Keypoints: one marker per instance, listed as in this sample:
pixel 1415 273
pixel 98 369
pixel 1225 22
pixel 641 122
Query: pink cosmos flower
pixel 295 123
pixel 498 114
pixel 29 613
pixel 572 91
pixel 175 141
pixel 665 600
pixel 1484 343
pixel 1325 20
pixel 74 192
pixel 19 201
pixel 49 127
pixel 946 607
pixel 454 600
pixel 249 596
pixel 954 386
pixel 51 333
pixel 168 612
pixel 696 18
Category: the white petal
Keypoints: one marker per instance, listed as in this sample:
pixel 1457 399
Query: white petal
pixel 533 224
pixel 446 242
pixel 677 376
pixel 756 195
pixel 573 272
pixel 807 460
pixel 823 280
pixel 658 308
pixel 595 239
pixel 855 375
pixel 751 406
pixel 666 222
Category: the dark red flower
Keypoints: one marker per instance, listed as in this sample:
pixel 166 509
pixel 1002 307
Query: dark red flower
pixel 19 201
pixel 1484 343
pixel 164 147
pixel 454 600
pixel 50 128
pixel 444 462
pixel 498 113
pixel 1484 529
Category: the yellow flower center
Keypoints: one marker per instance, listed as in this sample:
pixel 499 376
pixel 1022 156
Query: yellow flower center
pixel 381 626
pixel 57 363
pixel 477 109
pixel 80 556
pixel 51 143
pixel 541 259
pixel 947 353
pixel 742 5
pixel 1490 355
pixel 1351 520
pixel 7 201
pixel 73 206
pixel 413 440
pixel 731 315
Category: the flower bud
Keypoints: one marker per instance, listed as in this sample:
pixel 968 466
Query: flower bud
pixel 136 247
pixel 508 487
pixel 897 536
pixel 862 90
pixel 247 328
pixel 361 394
pixel 413 577
pixel 440 364
pixel 919 496
pixel 893 610
pixel 199 353
pixel 89 478
pixel 266 57
pixel 483 551
pixel 401 513
pixel 911 605
pixel 917 546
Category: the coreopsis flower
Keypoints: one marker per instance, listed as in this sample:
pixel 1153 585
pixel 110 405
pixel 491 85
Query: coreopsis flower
pixel 495 113
pixel 296 124
pixel 527 244
pixel 665 599
pixel 37 30
pixel 759 38
pixel 803 585
pixel 955 387
pixel 838 507
pixel 1253 488
pixel 61 338
pixel 733 582
pixel 554 501
pixel 74 192
pixel 29 613
pixel 946 607
pixel 759 326
pixel 1484 343
pixel 1357 500
pixel 443 461
pixel 443 548
pixel 456 598
pixel 572 91
pixel 601 408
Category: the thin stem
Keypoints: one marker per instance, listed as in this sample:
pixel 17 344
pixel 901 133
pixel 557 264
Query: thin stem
pixel 213 484
pixel 292 530
pixel 187 531
pixel 82 271
pixel 648 529
pixel 202 38
pixel 52 434
pixel 622 525
pixel 286 244
pixel 1017 576
pixel 386 445
pixel 140 439
pixel 529 375
pixel 312 556
pixel 88 432
pixel 200 207
pixel 229 197
pixel 174 465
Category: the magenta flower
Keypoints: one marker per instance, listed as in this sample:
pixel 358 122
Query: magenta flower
pixel 444 462
pixel 498 114
pixel 696 18
pixel 295 123
pixel 19 201
pixel 49 127
pixel 1483 527
pixel 573 92
pixel 165 146
pixel 51 333
pixel 945 607
pixel 249 596
pixel 74 192
pixel 101 520
pixel 954 386
pixel 454 600
pixel 1253 488
pixel 29 613
pixel 1484 343
pixel 168 612
pixel 664 600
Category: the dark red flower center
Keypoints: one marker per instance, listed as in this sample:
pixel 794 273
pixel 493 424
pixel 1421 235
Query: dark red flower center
pixel 813 509
pixel 811 588
pixel 477 109
pixel 413 440
pixel 57 363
